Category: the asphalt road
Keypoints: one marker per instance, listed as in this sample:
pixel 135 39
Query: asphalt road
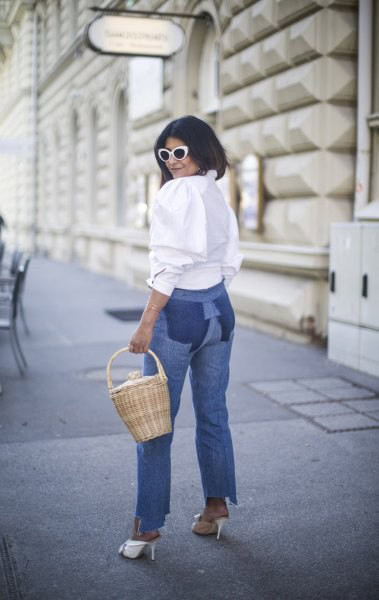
pixel 306 435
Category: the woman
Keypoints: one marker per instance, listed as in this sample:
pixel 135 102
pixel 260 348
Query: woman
pixel 188 321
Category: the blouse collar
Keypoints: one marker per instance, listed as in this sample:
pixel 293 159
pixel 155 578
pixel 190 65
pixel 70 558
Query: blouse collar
pixel 212 173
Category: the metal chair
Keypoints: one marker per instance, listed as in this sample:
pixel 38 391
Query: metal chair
pixel 17 256
pixel 2 251
pixel 9 265
pixel 7 284
pixel 9 323
pixel 25 264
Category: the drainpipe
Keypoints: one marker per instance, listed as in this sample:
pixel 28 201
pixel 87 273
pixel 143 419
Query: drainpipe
pixel 34 131
pixel 364 95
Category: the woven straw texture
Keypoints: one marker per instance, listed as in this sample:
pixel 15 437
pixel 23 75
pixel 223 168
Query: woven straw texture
pixel 143 403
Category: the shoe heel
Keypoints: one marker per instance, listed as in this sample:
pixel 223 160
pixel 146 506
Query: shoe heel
pixel 152 548
pixel 220 523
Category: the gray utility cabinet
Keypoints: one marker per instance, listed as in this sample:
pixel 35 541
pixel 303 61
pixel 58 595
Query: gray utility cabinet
pixel 353 326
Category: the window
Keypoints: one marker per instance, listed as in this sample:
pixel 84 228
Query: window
pixel 203 69
pixel 147 187
pixel 74 166
pixel 56 177
pixel 142 70
pixel 209 93
pixel 92 164
pixel 250 193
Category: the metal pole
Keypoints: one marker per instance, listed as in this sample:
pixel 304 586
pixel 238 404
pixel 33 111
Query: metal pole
pixel 34 131
pixel 364 87
pixel 150 13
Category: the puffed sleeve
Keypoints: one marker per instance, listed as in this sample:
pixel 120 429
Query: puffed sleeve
pixel 177 234
pixel 233 258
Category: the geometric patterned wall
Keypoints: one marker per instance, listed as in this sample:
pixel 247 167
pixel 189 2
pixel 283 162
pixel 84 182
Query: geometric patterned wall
pixel 289 79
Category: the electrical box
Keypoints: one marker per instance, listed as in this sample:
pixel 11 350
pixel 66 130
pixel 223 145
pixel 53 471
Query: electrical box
pixel 353 324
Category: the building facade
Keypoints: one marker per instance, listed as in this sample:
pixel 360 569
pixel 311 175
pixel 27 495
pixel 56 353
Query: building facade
pixel 277 79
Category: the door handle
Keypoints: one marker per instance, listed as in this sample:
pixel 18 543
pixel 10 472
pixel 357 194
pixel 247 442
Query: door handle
pixel 365 285
pixel 332 281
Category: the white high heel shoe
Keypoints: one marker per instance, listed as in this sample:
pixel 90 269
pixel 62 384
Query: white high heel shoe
pixel 201 527
pixel 135 548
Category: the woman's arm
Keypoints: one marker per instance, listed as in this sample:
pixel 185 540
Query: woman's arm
pixel 141 338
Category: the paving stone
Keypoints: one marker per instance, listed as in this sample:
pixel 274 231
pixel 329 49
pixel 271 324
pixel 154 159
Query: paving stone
pixel 321 383
pixel 364 405
pixel 351 421
pixel 349 393
pixel 320 409
pixel 296 397
pixel 280 385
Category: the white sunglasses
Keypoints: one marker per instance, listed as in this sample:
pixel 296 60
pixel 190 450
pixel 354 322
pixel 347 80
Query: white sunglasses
pixel 179 153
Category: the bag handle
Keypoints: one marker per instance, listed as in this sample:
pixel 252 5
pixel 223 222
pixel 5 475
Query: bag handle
pixel 161 372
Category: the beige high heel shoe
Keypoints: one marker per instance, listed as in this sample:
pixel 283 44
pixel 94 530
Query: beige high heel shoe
pixel 201 527
pixel 135 548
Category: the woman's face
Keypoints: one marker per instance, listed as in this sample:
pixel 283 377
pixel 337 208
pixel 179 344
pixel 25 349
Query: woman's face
pixel 180 168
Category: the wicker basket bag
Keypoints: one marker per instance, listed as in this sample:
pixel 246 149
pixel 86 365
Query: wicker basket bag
pixel 143 402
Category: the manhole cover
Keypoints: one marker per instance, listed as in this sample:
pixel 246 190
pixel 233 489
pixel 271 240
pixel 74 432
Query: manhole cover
pixel 122 314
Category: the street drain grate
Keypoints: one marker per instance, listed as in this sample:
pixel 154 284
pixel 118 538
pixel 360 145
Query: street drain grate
pixel 9 579
pixel 333 404
pixel 122 314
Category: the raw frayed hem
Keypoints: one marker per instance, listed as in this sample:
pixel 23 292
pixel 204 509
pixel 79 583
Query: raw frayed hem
pixel 146 525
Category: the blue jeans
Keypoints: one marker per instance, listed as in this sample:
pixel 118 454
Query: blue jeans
pixel 195 330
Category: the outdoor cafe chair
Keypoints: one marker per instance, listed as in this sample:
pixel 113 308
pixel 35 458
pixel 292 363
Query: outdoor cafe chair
pixel 2 252
pixel 7 283
pixel 15 261
pixel 9 321
pixel 25 264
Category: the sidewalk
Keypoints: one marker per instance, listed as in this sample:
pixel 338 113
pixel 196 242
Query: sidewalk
pixel 306 435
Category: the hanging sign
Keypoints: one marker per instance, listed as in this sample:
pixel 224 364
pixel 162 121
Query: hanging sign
pixel 134 36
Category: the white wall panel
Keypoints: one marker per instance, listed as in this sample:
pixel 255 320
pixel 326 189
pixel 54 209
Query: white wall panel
pixel 337 174
pixel 322 125
pixel 251 64
pixel 343 344
pixel 370 268
pixel 294 175
pixel 300 85
pixel 304 221
pixel 264 15
pixel 274 134
pixel 231 73
pixel 291 10
pixel 239 33
pixel 263 98
pixel 250 139
pixel 275 53
pixel 236 107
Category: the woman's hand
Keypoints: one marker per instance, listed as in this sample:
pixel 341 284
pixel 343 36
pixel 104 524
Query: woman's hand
pixel 141 339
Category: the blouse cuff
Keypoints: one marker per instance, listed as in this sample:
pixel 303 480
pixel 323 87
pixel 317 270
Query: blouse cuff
pixel 163 287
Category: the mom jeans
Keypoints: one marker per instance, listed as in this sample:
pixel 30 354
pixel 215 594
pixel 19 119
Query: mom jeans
pixel 194 331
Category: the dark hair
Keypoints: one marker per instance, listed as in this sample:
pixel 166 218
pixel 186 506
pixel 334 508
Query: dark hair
pixel 204 146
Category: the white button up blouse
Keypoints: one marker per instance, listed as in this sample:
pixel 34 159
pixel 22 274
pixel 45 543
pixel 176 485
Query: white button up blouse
pixel 193 236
